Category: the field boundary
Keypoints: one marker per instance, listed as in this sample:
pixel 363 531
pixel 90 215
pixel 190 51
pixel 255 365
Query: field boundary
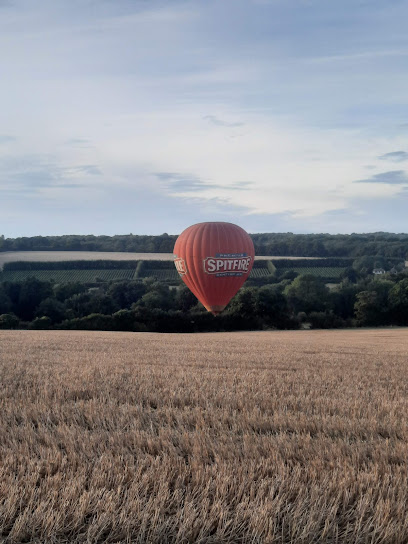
pixel 51 256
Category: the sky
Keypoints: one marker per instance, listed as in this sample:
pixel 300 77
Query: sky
pixel 146 116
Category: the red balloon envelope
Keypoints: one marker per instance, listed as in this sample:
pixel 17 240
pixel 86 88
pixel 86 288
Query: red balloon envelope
pixel 214 260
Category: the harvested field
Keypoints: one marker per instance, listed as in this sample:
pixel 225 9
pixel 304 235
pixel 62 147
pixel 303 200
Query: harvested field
pixel 51 256
pixel 285 437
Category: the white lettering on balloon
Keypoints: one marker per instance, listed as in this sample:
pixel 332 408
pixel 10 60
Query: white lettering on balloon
pixel 236 265
pixel 180 266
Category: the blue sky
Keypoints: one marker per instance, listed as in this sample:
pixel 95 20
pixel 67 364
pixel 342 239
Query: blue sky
pixel 147 116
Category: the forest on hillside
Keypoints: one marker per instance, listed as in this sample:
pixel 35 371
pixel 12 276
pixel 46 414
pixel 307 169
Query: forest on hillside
pixel 386 245
pixel 299 301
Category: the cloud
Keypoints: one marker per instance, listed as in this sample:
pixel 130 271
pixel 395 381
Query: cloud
pixel 106 95
pixel 363 55
pixel 180 183
pixel 78 142
pixel 395 156
pixel 90 169
pixel 33 174
pixel 6 138
pixel 394 177
pixel 241 186
pixel 220 123
pixel 71 185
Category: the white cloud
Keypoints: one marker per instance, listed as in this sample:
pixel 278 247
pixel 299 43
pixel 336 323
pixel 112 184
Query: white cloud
pixel 133 89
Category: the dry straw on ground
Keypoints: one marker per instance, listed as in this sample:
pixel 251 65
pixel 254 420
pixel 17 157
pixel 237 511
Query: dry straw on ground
pixel 249 437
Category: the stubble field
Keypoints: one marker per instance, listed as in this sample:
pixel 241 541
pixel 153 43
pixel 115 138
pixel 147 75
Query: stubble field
pixel 255 437
pixel 52 256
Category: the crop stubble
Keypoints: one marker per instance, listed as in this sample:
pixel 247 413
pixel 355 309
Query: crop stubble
pixel 245 437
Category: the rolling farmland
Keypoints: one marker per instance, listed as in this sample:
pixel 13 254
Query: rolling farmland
pixel 65 276
pixel 42 256
pixel 172 275
pixel 260 272
pixel 55 256
pixel 165 272
pixel 89 276
pixel 91 271
pixel 282 437
pixel 321 271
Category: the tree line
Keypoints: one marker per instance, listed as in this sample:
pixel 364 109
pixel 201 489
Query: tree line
pixel 288 302
pixel 382 244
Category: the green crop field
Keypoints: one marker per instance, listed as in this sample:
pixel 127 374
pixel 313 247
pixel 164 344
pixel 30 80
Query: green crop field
pixel 65 276
pixel 321 271
pixel 170 274
pixel 259 272
pixel 165 272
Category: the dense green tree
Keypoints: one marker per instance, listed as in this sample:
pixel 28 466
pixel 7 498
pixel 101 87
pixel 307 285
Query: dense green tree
pixel 9 321
pixel 158 297
pixel 325 320
pixel 368 309
pixel 343 299
pixel 350 274
pixel 100 303
pixel 126 293
pixel 364 265
pixel 40 323
pixel 12 290
pixel 91 322
pixel 151 305
pixel 184 298
pixel 63 291
pixel 287 275
pixel 51 308
pixel 5 301
pixel 32 292
pixel 125 320
pixel 398 301
pixel 272 307
pixel 307 294
pixel 382 287
pixel 244 303
pixel 78 304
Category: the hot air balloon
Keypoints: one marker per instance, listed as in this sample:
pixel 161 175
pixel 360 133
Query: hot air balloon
pixel 214 260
